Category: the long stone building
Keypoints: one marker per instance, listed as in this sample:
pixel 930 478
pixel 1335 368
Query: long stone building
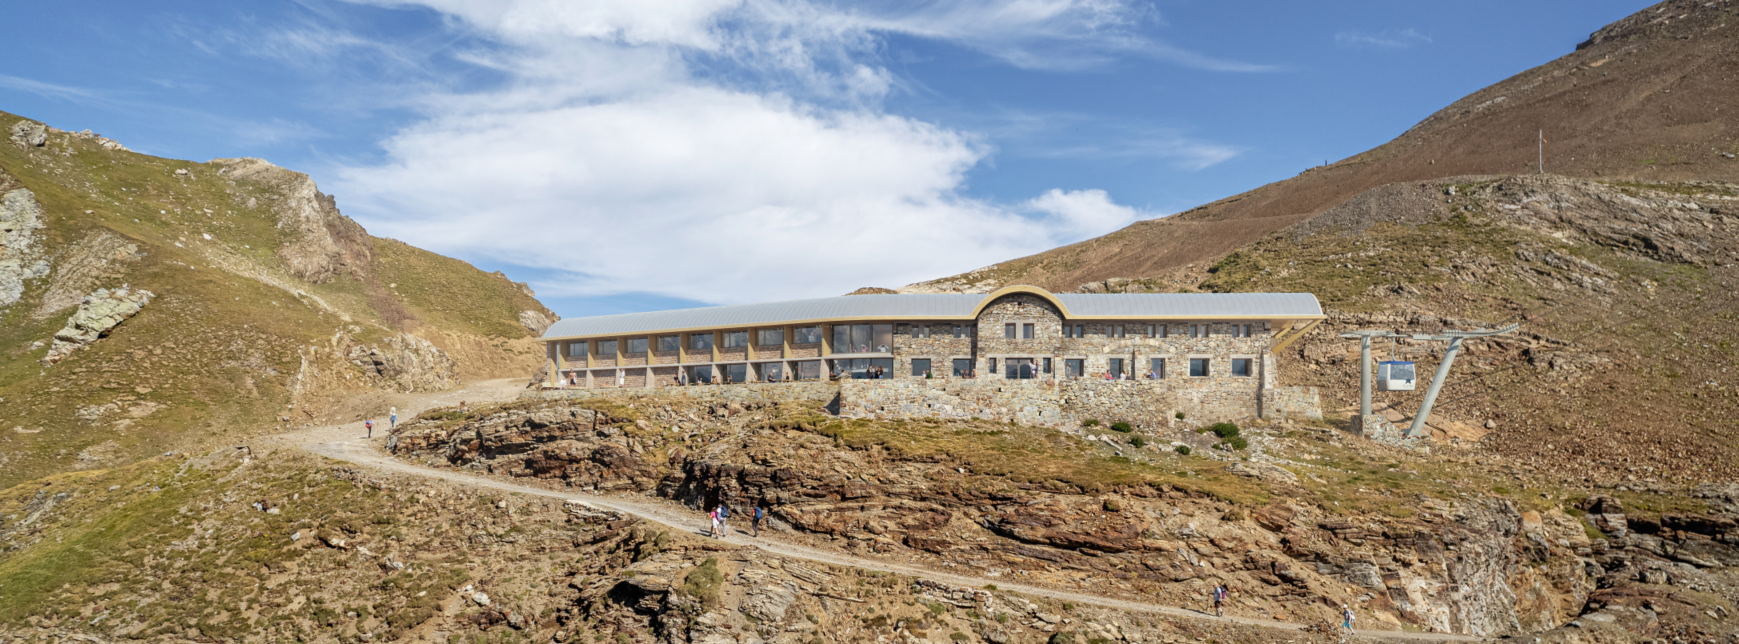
pixel 1207 342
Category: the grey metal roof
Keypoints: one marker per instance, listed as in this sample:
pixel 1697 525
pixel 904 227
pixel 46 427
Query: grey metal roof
pixel 948 305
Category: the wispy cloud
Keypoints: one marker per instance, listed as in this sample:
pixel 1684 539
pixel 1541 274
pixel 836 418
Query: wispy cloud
pixel 1388 39
pixel 51 90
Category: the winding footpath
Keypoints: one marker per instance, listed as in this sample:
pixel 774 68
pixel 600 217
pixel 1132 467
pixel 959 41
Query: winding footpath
pixel 350 448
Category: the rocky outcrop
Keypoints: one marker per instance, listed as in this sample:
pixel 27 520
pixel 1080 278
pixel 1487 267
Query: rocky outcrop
pixel 100 312
pixel 320 242
pixel 535 321
pixel 89 263
pixel 20 218
pixel 29 134
pixel 405 363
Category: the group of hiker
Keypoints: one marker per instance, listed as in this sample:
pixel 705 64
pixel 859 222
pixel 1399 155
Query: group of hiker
pixel 1221 593
pixel 720 518
pixel 392 419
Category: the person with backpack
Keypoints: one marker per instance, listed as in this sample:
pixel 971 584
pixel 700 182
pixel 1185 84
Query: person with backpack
pixel 724 519
pixel 755 519
pixel 394 419
pixel 1219 601
pixel 1347 618
pixel 369 424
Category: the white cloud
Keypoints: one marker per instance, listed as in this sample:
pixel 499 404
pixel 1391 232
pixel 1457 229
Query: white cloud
pixel 620 157
pixel 1389 39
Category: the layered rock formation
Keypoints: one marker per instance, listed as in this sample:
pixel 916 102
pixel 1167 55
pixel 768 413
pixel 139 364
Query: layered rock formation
pixel 100 312
pixel 20 218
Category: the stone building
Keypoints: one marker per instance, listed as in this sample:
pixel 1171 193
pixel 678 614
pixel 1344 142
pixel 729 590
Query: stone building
pixel 1196 344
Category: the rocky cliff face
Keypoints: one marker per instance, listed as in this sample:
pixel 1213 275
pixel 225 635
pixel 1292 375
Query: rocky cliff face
pixel 20 260
pixel 1480 566
pixel 319 242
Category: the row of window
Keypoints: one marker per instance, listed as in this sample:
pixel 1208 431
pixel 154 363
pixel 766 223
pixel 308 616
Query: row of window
pixel 1150 330
pixel 1012 368
pixel 873 338
pixel 699 341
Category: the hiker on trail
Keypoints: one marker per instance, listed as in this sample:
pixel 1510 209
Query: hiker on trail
pixel 714 530
pixel 1347 618
pixel 394 418
pixel 724 520
pixel 1219 601
pixel 755 519
pixel 370 425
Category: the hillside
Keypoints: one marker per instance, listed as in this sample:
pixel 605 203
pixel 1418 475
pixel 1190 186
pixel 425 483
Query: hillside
pixel 245 301
pixel 1641 99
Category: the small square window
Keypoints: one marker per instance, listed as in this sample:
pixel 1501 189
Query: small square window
pixel 1117 331
pixel 920 367
pixel 1026 331
pixel 1008 331
pixel 1198 367
pixel 1156 369
pixel 1241 367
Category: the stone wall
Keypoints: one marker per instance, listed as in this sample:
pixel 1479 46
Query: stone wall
pixel 1142 403
pixel 815 391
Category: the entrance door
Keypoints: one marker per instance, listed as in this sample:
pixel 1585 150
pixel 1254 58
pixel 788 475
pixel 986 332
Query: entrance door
pixel 1018 369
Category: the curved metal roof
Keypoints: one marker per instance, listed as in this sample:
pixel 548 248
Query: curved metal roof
pixel 947 306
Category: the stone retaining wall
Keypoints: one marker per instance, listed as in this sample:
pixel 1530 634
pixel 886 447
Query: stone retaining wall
pixel 1144 404
pixel 784 391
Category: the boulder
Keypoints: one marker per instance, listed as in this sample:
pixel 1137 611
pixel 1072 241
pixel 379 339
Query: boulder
pixel 29 134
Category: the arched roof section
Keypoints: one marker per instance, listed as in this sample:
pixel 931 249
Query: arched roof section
pixel 1018 289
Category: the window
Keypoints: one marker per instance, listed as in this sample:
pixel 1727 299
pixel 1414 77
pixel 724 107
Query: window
pixel 1068 331
pixel 1018 369
pixel 1008 331
pixel 1156 369
pixel 1074 331
pixel 1117 331
pixel 1198 367
pixel 920 331
pixel 920 366
pixel 734 339
pixel 962 366
pixel 810 369
pixel 669 342
pixel 637 346
pixel 770 337
pixel 1198 330
pixel 700 342
pixel 963 330
pixel 1047 365
pixel 808 335
pixel 576 349
pixel 865 369
pixel 1026 331
pixel 772 371
pixel 701 375
pixel 1243 331
pixel 842 338
pixel 737 372
pixel 1073 368
pixel 1115 367
pixel 1164 331
pixel 607 348
pixel 1150 331
pixel 1241 367
pixel 992 364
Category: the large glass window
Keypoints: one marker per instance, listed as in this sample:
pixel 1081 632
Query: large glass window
pixel 1198 367
pixel 863 338
pixel 669 342
pixel 700 342
pixel 702 375
pixel 1018 369
pixel 1073 368
pixel 1157 368
pixel 607 348
pixel 962 367
pixel 807 335
pixel 1241 367
pixel 842 338
pixel 734 339
pixel 770 337
pixel 576 349
pixel 772 371
pixel 920 367
pixel 636 346
pixel 737 372
pixel 810 369
pixel 864 368
pixel 1115 366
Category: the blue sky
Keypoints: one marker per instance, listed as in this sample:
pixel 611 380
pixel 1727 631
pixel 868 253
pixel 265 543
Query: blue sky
pixel 635 155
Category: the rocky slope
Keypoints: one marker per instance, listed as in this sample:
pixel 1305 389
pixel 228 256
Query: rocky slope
pixel 217 299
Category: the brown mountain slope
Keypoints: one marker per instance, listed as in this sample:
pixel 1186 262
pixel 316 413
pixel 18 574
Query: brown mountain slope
pixel 1650 97
pixel 268 306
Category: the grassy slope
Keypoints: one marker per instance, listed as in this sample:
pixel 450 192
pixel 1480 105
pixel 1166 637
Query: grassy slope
pixel 216 353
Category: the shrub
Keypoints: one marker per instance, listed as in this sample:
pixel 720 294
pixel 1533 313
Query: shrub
pixel 936 608
pixel 703 582
pixel 1179 415
pixel 1237 442
pixel 1138 442
pixel 1090 422
pixel 1122 427
pixel 1111 505
pixel 1061 638
pixel 1223 430
pixel 1183 449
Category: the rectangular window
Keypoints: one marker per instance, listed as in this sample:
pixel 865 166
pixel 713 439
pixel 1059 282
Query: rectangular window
pixel 770 337
pixel 637 346
pixel 1241 367
pixel 1073 368
pixel 842 338
pixel 810 369
pixel 1068 331
pixel 963 330
pixel 1150 331
pixel 1246 330
pixel 1047 365
pixel 576 349
pixel 962 366
pixel 992 364
pixel 1026 331
pixel 1117 331
pixel 1116 367
pixel 807 335
pixel 669 342
pixel 882 338
pixel 607 348
pixel 772 371
pixel 1164 331
pixel 700 342
pixel 1018 369
pixel 920 331
pixel 1156 369
pixel 1198 330
pixel 1008 331
pixel 920 367
pixel 734 339
pixel 1198 367
pixel 737 372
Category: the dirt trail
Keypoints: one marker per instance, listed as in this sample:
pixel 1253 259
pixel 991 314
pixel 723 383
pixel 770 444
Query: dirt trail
pixel 346 443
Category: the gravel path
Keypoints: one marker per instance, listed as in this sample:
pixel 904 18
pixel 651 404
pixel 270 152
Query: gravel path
pixel 345 443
